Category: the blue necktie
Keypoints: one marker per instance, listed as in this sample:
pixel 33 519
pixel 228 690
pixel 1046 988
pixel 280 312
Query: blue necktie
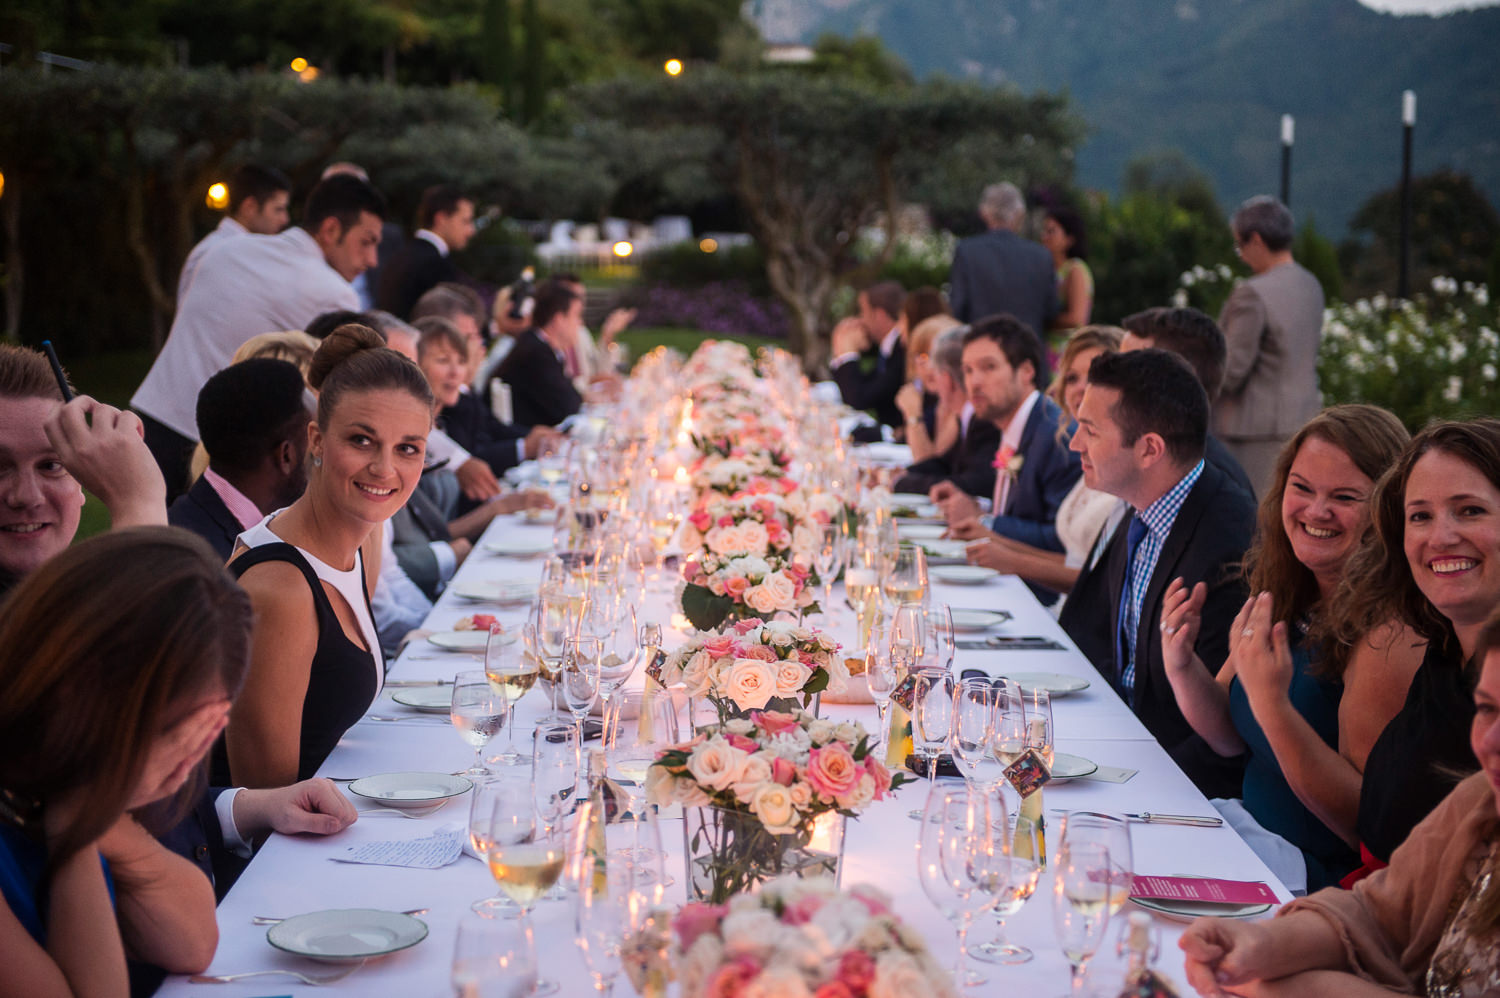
pixel 1124 655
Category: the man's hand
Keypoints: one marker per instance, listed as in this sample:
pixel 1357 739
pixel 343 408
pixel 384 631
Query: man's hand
pixel 312 807
pixel 462 547
pixel 614 324
pixel 849 337
pixel 105 450
pixel 537 438
pixel 957 505
pixel 968 529
pixel 477 480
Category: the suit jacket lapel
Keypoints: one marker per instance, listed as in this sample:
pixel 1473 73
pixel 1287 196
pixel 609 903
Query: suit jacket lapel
pixel 208 500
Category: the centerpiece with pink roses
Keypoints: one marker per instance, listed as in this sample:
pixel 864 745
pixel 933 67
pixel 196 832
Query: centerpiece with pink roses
pixel 747 555
pixel 766 795
pixel 798 937
pixel 755 664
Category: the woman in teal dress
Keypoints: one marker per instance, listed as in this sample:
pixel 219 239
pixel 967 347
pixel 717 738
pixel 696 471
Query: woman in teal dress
pixel 1304 710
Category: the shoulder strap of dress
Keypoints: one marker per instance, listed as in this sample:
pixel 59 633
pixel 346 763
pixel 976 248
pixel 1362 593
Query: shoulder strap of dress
pixel 278 551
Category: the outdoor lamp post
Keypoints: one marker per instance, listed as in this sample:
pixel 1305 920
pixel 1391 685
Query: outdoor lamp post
pixel 1403 249
pixel 1288 130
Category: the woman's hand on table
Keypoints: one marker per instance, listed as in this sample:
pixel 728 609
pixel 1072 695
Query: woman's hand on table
pixel 312 807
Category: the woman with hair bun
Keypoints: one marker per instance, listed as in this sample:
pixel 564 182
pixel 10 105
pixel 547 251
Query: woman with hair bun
pixel 315 663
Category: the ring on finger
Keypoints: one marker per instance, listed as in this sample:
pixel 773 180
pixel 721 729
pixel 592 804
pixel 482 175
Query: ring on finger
pixel 1248 632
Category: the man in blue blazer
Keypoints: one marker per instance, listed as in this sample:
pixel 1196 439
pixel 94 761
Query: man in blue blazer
pixel 1034 470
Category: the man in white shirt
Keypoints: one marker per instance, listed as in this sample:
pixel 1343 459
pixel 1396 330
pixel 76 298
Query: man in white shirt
pixel 249 285
pixel 258 200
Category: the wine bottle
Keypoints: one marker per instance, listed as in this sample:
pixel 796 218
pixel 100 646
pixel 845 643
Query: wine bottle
pixel 594 818
pixel 522 294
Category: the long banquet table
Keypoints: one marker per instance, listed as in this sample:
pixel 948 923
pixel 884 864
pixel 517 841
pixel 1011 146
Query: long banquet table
pixel 291 875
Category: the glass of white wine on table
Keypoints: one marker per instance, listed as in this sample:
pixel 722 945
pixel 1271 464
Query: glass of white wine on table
pixel 1080 906
pixel 478 712
pixel 511 672
pixel 905 578
pixel 525 856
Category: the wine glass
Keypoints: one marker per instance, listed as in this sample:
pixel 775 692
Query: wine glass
pixel 477 711
pixel 524 857
pixel 493 959
pixel 554 770
pixel 481 813
pixel 1080 905
pixel 579 678
pixel 908 636
pixel 1025 848
pixel 827 557
pixel 619 659
pixel 958 861
pixel 862 585
pixel 940 646
pixel 510 673
pixel 1039 724
pixel 931 721
pixel 644 724
pixel 552 623
pixel 905 578
pixel 882 676
pixel 1113 833
pixel 971 739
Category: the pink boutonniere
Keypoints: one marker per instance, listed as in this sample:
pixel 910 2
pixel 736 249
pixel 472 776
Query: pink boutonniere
pixel 1008 461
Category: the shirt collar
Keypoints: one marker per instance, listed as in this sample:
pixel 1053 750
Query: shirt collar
pixel 1011 436
pixel 239 505
pixel 888 345
pixel 434 238
pixel 230 227
pixel 1161 514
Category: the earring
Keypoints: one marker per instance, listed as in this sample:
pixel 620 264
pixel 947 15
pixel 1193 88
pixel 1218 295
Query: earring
pixel 317 462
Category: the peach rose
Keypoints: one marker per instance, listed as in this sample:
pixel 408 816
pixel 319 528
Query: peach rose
pixel 762 600
pixel 781 589
pixel 716 763
pixel 832 770
pixel 791 677
pixel 753 538
pixel 735 586
pixel 772 804
pixel 760 653
pixel 750 683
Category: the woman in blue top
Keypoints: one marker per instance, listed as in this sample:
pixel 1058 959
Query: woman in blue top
pixel 119 659
pixel 1305 711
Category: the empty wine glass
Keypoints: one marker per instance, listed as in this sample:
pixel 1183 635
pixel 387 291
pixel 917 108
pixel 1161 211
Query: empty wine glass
pixel 1039 723
pixel 579 678
pixel 477 711
pixel 971 739
pixel 940 646
pixel 908 636
pixel 619 658
pixel 1080 905
pixel 826 559
pixel 959 863
pixel 1025 848
pixel 493 959
pixel 511 673
pixel 931 720
pixel 882 676
pixel 554 770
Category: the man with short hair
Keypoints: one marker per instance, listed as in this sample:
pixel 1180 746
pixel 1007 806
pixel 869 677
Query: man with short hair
pixel 1272 323
pixel 250 285
pixel 253 417
pixel 1034 470
pixel 998 270
pixel 1196 338
pixel 541 392
pixel 445 224
pixel 258 199
pixel 1141 430
pixel 877 326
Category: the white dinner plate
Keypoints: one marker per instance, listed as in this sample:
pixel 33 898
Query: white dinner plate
pixel 433 699
pixel 1054 683
pixel 921 531
pixel 464 640
pixel 1071 767
pixel 963 575
pixel 503 591
pixel 519 549
pixel 908 498
pixel 1186 911
pixel 944 549
pixel 410 790
pixel 346 934
pixel 969 621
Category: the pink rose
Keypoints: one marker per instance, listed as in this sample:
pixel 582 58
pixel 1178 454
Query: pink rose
pixel 783 771
pixel 695 919
pixel 762 652
pixel 719 646
pixel 786 486
pixel 759 487
pixel 764 507
pixel 832 771
pixel 726 520
pixel 881 775
pixel 690 570
pixel 802 910
pixel 732 977
pixel 741 742
pixel 743 627
pixel 835 989
pixel 857 968
pixel 701 520
pixel 774 722
pixel 736 585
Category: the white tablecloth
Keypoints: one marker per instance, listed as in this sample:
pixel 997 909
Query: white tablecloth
pixel 294 875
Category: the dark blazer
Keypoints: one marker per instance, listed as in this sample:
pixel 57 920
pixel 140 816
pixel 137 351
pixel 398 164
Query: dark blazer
pixel 1207 543
pixel 541 392
pixel 998 271
pixel 200 510
pixel 474 427
pixel 414 527
pixel 1216 454
pixel 414 269
pixel 1049 470
pixel 875 389
pixel 969 463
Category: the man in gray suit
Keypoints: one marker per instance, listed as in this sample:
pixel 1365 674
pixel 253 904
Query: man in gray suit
pixel 1272 323
pixel 999 271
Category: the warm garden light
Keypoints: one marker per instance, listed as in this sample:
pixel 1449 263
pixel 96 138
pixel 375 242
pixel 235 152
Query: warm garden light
pixel 673 67
pixel 2 184
pixel 299 64
pixel 218 197
pixel 623 249
pixel 708 245
pixel 308 74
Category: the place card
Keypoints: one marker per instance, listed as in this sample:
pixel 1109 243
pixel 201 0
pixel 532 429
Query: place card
pixel 1204 889
pixel 430 852
pixel 1111 774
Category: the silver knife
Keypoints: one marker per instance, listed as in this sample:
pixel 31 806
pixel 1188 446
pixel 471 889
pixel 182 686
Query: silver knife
pixel 1176 819
pixel 405 683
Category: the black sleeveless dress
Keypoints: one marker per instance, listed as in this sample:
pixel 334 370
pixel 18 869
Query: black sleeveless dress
pixel 341 685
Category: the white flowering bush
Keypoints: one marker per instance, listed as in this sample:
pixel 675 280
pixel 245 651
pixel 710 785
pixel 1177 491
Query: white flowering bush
pixel 1436 356
pixel 1204 288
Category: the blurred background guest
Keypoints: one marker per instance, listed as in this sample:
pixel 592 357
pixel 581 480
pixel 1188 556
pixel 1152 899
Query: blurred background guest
pixel 1063 236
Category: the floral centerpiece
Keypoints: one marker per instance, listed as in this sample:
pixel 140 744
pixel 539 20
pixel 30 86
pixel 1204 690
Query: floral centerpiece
pixel 802 939
pixel 748 556
pixel 729 469
pixel 759 791
pixel 755 664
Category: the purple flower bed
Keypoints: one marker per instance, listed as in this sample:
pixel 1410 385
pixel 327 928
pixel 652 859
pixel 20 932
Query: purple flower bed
pixel 715 307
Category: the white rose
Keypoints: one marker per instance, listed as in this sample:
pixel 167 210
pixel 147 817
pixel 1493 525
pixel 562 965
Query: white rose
pixel 724 540
pixel 772 804
pixel 826 503
pixel 739 726
pixel 698 965
pixel 691 539
pixel 801 794
pixel 698 673
pixel 820 731
pixel 847 732
pixel 897 975
pixel 781 589
pixel 750 683
pixel 689 794
pixel 715 763
pixel 838 673
pixel 795 504
pixel 751 567
pixel 791 677
pixel 762 600
pixel 753 538
pixel 660 785
pixel 748 930
pixel 805 543
pixel 757 771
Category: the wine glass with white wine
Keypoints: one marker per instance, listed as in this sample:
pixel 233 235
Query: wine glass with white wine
pixel 525 856
pixel 511 673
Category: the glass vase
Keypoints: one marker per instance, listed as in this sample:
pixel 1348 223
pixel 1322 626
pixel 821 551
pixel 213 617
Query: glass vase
pixel 728 851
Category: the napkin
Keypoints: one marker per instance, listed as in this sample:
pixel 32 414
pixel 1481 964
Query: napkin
pixel 429 852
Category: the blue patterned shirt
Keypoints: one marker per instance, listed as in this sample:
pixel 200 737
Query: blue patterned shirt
pixel 1158 518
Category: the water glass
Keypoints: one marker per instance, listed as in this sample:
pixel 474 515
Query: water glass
pixel 477 711
pixel 493 959
pixel 959 861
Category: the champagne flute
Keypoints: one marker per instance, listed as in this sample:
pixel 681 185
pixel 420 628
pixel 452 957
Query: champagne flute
pixel 958 862
pixel 931 722
pixel 478 712
pixel 579 678
pixel 525 858
pixel 510 673
pixel 1025 847
pixel 493 959
pixel 1080 905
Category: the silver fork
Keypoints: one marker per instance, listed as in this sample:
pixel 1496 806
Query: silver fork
pixel 269 920
pixel 304 978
